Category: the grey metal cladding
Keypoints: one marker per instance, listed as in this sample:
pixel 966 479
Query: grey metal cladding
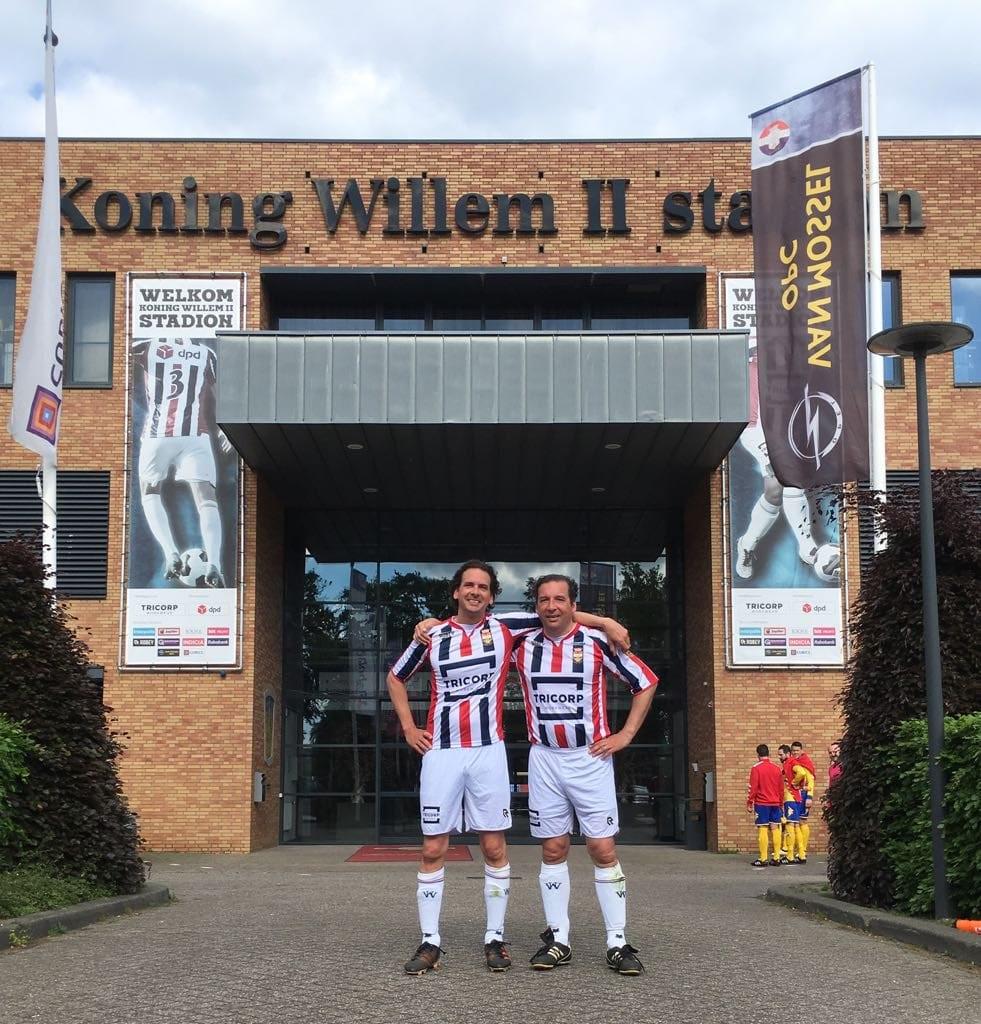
pixel 672 377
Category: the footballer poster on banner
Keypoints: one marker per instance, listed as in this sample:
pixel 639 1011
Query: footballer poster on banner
pixel 785 597
pixel 182 566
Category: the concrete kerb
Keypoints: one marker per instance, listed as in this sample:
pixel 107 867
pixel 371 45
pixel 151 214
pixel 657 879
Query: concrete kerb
pixel 929 935
pixel 15 931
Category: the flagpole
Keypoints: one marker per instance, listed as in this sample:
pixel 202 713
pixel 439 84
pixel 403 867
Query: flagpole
pixel 877 394
pixel 39 367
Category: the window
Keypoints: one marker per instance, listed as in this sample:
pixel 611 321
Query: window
pixel 965 304
pixel 892 368
pixel 83 524
pixel 6 329
pixel 89 330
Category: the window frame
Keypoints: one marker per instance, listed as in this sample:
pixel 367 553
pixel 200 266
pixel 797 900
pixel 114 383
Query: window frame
pixel 70 282
pixel 899 379
pixel 12 277
pixel 955 274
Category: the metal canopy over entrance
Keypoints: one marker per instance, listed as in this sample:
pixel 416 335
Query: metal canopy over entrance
pixel 372 436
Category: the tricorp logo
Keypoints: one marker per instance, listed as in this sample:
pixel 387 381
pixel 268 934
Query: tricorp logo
pixel 774 137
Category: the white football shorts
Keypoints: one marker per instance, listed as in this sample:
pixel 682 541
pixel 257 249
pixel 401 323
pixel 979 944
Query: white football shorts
pixel 192 458
pixel 465 789
pixel 563 781
pixel 753 441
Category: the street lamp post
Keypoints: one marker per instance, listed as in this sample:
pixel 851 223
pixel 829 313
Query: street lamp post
pixel 917 341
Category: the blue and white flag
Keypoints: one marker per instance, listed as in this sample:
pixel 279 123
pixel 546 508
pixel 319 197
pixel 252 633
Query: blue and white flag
pixel 39 367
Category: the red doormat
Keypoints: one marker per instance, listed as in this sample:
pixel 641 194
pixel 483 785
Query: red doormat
pixel 387 854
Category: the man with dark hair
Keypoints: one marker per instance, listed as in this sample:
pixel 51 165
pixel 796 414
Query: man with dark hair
pixel 562 667
pixel 807 786
pixel 465 781
pixel 791 805
pixel 764 799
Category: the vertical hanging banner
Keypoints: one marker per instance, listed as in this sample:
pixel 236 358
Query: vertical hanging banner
pixel 39 367
pixel 183 542
pixel 784 573
pixel 809 257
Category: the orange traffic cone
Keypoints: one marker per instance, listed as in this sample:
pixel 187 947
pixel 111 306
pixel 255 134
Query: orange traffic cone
pixel 969 926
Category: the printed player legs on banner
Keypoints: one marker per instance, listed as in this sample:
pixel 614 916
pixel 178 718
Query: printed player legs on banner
pixel 570 766
pixel 179 387
pixel 193 462
pixel 797 512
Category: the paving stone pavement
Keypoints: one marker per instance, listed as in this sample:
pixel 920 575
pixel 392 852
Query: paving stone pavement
pixel 297 935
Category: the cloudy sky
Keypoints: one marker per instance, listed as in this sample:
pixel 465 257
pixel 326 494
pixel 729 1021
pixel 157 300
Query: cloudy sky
pixel 458 69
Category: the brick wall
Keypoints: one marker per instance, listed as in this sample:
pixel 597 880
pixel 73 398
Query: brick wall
pixel 194 739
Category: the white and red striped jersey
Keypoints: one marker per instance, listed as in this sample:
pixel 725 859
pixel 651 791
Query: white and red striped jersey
pixel 468 666
pixel 178 370
pixel 564 686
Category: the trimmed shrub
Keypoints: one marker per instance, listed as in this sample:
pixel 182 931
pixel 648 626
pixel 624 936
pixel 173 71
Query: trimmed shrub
pixel 906 816
pixel 886 682
pixel 72 817
pixel 15 746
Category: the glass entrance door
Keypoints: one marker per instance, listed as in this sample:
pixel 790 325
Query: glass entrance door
pixel 349 776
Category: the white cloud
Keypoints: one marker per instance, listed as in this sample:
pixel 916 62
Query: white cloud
pixel 551 68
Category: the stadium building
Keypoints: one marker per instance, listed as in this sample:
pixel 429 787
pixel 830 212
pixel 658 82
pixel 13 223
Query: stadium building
pixel 304 380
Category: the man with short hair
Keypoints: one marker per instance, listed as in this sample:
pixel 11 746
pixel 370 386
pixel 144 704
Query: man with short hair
pixel 803 775
pixel 764 799
pixel 464 780
pixel 791 804
pixel 562 670
pixel 807 785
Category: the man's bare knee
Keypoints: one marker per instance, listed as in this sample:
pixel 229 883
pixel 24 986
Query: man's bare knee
pixel 603 851
pixel 494 848
pixel 434 852
pixel 555 850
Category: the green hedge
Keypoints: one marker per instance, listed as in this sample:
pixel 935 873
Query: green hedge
pixel 31 890
pixel 886 682
pixel 72 817
pixel 15 747
pixel 906 818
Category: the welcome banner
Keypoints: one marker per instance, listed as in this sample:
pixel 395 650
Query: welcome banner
pixel 182 552
pixel 809 256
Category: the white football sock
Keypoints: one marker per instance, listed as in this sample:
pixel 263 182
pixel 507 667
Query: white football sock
pixel 553 880
pixel 611 891
pixel 797 512
pixel 211 530
pixel 761 520
pixel 429 896
pixel 159 523
pixel 497 887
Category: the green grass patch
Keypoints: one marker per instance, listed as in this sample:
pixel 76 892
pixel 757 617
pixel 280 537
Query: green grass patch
pixel 30 890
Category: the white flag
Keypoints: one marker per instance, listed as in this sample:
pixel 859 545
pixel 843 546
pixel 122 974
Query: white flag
pixel 39 367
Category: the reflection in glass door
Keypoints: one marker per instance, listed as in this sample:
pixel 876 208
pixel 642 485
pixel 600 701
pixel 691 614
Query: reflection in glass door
pixel 348 774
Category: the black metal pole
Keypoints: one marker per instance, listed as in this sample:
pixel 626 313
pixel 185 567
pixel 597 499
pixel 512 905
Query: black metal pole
pixel 931 646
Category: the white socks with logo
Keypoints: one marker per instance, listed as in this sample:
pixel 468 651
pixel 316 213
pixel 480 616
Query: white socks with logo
pixel 553 880
pixel 429 896
pixel 211 530
pixel 497 887
pixel 761 520
pixel 611 891
pixel 156 519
